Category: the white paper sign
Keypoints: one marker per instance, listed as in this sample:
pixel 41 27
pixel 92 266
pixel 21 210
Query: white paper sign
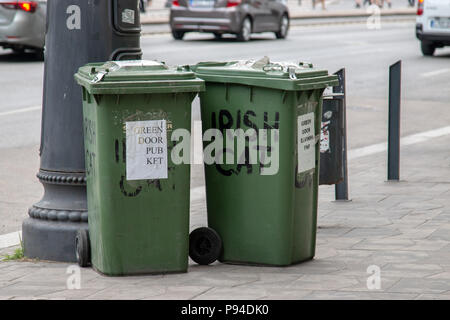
pixel 146 150
pixel 306 142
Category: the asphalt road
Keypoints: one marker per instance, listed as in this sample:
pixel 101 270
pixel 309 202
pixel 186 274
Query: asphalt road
pixel 366 55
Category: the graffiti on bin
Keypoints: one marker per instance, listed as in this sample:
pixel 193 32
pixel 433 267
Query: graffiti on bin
pixel 90 137
pixel 229 124
pixel 130 194
pixel 307 180
pixel 225 120
pixel 90 157
pixel 131 189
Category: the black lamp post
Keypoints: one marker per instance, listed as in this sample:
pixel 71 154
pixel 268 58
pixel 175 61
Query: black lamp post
pixel 78 32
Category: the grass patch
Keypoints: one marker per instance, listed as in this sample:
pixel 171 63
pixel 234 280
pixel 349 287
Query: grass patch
pixel 17 255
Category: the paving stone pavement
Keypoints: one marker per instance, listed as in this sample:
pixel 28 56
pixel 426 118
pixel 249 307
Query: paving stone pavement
pixel 401 227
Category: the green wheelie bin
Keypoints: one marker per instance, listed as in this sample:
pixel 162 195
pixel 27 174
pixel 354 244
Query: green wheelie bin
pixel 261 196
pixel 138 198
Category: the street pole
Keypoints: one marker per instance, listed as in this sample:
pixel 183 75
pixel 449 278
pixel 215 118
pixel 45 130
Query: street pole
pixel 341 189
pixel 78 32
pixel 395 79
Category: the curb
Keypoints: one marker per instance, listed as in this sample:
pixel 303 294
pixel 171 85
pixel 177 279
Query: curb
pixel 10 239
pixel 353 14
pixel 320 15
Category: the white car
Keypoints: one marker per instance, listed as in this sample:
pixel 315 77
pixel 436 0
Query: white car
pixel 433 25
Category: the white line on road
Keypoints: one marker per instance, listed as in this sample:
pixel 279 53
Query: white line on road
pixel 366 151
pixel 198 193
pixel 8 113
pixel 405 141
pixel 366 51
pixel 435 73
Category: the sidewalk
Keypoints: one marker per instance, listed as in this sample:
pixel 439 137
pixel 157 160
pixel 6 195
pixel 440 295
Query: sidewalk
pixel 157 13
pixel 403 228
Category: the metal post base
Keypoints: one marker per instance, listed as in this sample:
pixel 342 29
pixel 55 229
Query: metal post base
pixel 49 233
pixel 50 240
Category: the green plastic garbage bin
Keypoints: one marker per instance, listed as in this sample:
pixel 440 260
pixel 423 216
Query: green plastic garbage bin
pixel 265 212
pixel 138 199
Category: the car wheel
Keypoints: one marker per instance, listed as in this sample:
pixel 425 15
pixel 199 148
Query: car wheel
pixel 218 36
pixel 246 30
pixel 177 35
pixel 39 54
pixel 205 246
pixel 284 27
pixel 19 50
pixel 427 48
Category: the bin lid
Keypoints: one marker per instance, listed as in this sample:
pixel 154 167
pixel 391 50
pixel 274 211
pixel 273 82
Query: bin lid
pixel 264 73
pixel 137 76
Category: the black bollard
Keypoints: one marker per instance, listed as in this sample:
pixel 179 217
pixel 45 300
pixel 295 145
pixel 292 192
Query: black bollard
pixel 341 189
pixel 395 80
pixel 77 32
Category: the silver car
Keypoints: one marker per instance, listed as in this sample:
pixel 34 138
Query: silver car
pixel 22 25
pixel 240 17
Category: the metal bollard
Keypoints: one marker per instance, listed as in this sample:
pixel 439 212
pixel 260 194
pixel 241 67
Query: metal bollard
pixel 77 32
pixel 395 83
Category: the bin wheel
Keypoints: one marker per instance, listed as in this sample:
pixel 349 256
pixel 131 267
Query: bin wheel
pixel 205 246
pixel 83 248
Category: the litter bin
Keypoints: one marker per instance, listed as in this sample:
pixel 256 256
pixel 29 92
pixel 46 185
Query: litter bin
pixel 138 199
pixel 263 210
pixel 332 139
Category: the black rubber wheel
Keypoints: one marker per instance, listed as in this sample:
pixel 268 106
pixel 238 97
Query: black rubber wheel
pixel 177 35
pixel 83 248
pixel 246 30
pixel 427 48
pixel 39 55
pixel 19 51
pixel 205 246
pixel 283 28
